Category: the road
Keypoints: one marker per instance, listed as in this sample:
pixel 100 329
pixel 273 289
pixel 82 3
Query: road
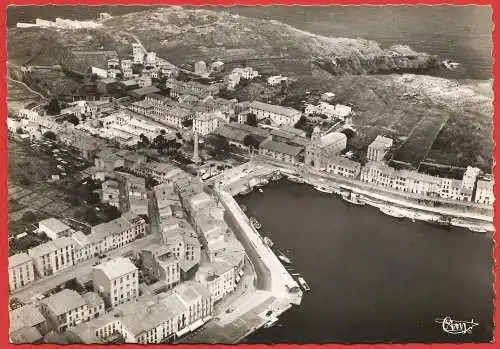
pixel 77 271
pixel 27 87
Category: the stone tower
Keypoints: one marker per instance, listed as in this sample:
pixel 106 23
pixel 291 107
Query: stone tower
pixel 196 158
pixel 312 154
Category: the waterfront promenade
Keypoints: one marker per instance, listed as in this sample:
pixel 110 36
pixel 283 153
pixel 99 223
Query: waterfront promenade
pixel 272 292
pixel 239 178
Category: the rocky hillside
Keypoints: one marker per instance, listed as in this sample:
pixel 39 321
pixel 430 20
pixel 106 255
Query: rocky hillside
pixel 190 34
pixel 186 35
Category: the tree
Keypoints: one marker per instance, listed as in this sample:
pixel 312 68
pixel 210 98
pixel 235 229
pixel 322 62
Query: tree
pixel 251 142
pixel 301 123
pixel 144 139
pixel 29 216
pixel 219 144
pixel 49 135
pixel 19 130
pixel 251 119
pixel 54 108
pixel 187 123
pixel 73 119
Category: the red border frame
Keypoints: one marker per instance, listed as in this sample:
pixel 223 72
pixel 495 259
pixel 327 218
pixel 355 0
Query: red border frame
pixel 4 290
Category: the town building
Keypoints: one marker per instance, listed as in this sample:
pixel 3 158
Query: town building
pixel 64 310
pixel 200 68
pixel 247 73
pixel 82 247
pixel 116 233
pixel 206 123
pixel 151 58
pixel 232 80
pixel 323 147
pixel 21 271
pixel 469 178
pixel 138 52
pixel 378 148
pixel 281 151
pixel 276 80
pixel 218 277
pixel 54 228
pixel 53 256
pixel 484 192
pixel 116 280
pixel 27 325
pixel 152 319
pixel 95 304
pixel 191 88
pixel 161 264
pixel 278 115
pixel 341 166
pixel 337 111
pixel 217 66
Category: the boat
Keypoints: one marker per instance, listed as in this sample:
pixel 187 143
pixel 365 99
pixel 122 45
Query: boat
pixel 260 190
pixel 303 284
pixel 443 222
pixel 323 189
pixel 268 241
pixel 262 183
pixel 354 199
pixel 255 223
pixel 271 323
pixel 476 229
pixel 284 258
pixel 449 64
pixel 244 208
pixel 295 179
pixel 390 211
pixel 276 176
pixel 295 274
pixel 246 191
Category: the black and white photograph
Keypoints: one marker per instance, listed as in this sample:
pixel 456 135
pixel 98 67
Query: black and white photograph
pixel 250 174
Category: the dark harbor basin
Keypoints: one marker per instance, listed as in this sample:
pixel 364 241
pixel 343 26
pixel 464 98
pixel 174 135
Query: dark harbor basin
pixel 373 278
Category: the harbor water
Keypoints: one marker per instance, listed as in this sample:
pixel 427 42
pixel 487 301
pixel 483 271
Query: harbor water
pixel 373 278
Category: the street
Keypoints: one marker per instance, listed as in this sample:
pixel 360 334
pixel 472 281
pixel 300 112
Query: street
pixel 43 285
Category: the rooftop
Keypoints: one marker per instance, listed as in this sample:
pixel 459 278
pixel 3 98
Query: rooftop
pixel 64 301
pixel 116 267
pixel 25 316
pixel 54 224
pixel 92 299
pixel 277 109
pixel 331 138
pixel 482 184
pixel 19 259
pixel 381 142
pixel 281 147
pixel 50 246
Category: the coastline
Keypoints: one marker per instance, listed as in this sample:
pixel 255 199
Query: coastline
pixel 263 170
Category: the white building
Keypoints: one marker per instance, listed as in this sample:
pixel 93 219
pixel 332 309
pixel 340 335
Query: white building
pixel 54 228
pixel 276 80
pixel 206 123
pixel 470 177
pixel 138 52
pixel 278 115
pixel 117 280
pixel 102 73
pixel 246 73
pixel 378 148
pixel 21 271
pixel 218 277
pixel 65 309
pixel 484 192
pixel 232 80
pixel 200 68
pixel 151 58
pixel 53 256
